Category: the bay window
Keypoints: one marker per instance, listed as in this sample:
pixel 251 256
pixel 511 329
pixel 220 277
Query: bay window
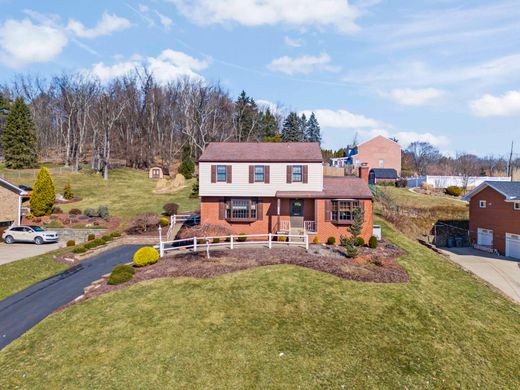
pixel 241 209
pixel 342 211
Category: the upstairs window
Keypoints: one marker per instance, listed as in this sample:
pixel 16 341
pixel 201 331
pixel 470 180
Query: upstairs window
pixel 297 174
pixel 259 173
pixel 482 204
pixel 221 173
pixel 343 211
pixel 516 206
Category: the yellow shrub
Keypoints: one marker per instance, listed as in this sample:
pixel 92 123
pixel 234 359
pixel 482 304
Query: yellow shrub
pixel 164 222
pixel 316 240
pixel 146 256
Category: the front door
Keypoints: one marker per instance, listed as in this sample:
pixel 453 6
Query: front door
pixel 297 213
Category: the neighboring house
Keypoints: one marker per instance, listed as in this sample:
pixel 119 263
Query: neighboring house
pixel 494 216
pixel 382 175
pixel 259 188
pixel 378 152
pixel 10 203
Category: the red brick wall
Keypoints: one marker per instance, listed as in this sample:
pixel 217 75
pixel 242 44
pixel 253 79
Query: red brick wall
pixel 380 148
pixel 498 216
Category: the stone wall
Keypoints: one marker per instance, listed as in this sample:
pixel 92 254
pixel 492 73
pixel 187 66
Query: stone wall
pixel 78 235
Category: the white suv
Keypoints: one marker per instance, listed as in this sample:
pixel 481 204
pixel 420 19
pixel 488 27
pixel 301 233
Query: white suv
pixel 35 234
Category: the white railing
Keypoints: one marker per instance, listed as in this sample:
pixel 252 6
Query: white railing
pixel 285 226
pixel 309 226
pixel 180 218
pixel 231 241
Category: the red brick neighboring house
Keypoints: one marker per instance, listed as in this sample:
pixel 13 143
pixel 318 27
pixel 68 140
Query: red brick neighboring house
pixel 494 216
pixel 379 152
pixel 260 188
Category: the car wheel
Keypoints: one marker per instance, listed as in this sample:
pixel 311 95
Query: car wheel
pixel 9 239
pixel 38 240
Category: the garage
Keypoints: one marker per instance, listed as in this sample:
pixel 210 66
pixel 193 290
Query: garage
pixel 485 237
pixel 513 245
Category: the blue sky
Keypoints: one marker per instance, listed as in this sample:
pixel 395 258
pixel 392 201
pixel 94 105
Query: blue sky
pixel 444 71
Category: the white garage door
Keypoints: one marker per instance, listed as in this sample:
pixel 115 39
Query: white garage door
pixel 513 245
pixel 485 237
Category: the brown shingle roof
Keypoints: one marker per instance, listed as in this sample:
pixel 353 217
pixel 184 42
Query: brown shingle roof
pixel 262 152
pixel 335 187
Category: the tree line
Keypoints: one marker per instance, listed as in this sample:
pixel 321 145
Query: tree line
pixel 132 121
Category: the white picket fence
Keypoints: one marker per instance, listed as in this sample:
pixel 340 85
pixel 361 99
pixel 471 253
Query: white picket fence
pixel 446 181
pixel 231 241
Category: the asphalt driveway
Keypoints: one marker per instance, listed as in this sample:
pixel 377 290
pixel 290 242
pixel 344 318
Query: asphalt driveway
pixel 501 272
pixel 18 251
pixel 20 312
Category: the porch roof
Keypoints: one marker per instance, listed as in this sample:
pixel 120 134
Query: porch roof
pixel 334 187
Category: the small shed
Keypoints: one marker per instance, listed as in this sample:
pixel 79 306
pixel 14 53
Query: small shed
pixel 382 175
pixel 157 172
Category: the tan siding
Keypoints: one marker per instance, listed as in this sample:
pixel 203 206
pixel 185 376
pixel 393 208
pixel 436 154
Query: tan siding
pixel 9 205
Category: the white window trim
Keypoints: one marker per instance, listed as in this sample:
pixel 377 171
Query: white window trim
pixel 482 204
pixel 516 206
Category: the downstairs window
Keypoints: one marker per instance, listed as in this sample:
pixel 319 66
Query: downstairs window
pixel 241 210
pixel 343 211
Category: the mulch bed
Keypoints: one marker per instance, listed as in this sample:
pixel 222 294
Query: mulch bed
pixel 372 265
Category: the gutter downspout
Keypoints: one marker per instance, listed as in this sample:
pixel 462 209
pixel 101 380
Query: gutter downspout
pixel 19 210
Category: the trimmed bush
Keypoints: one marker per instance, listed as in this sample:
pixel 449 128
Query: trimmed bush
pixel 57 210
pixel 331 240
pixel 350 247
pixel 80 249
pixel 71 243
pixel 74 212
pixel 281 238
pixel 115 234
pixel 216 240
pixel 170 209
pixel 90 212
pixel 67 192
pixel 146 256
pixel 359 241
pixel 121 273
pixel 242 237
pixel 43 194
pixel 454 191
pixel 106 238
pixel 164 222
pixel 372 242
pixel 316 240
pixel 91 237
pixel 102 212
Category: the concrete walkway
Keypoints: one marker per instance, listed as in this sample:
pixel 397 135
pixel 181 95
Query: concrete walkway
pixel 501 272
pixel 18 251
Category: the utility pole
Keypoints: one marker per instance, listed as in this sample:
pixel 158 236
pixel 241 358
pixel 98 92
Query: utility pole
pixel 510 164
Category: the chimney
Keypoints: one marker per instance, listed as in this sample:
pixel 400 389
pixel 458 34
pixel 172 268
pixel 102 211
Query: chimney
pixel 363 172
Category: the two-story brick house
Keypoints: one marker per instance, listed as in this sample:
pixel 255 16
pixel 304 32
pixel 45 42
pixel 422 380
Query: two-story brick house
pixel 257 188
pixel 10 203
pixel 494 216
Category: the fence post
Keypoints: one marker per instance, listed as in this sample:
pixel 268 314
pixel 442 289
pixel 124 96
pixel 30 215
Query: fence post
pixel 270 240
pixel 161 249
pixel 231 241
pixel 195 244
pixel 174 219
pixel 306 241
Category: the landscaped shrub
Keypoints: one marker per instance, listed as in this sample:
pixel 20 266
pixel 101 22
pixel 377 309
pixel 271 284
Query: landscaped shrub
pixel 427 187
pixel 121 273
pixel 74 212
pixel 316 240
pixel 79 249
pixel 71 243
pixel 43 194
pixel 146 256
pixel 350 247
pixel 401 183
pixel 242 237
pixel 115 234
pixel 331 240
pixel 281 238
pixel 216 240
pixel 372 242
pixel 52 224
pixel 57 210
pixel 106 238
pixel 67 192
pixel 164 222
pixel 143 223
pixel 170 209
pixel 91 236
pixel 359 241
pixel 98 242
pixel 102 212
pixel 90 212
pixel 454 191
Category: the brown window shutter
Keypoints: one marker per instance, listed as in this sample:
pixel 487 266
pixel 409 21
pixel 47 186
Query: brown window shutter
pixel 228 173
pixel 213 173
pixel 305 173
pixel 222 209
pixel 251 174
pixel 267 172
pixel 328 209
pixel 259 210
pixel 289 173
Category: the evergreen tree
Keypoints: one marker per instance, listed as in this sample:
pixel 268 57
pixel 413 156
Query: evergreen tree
pixel 268 125
pixel 246 118
pixel 195 189
pixel 19 137
pixel 292 130
pixel 43 194
pixel 67 192
pixel 187 167
pixel 356 228
pixel 312 130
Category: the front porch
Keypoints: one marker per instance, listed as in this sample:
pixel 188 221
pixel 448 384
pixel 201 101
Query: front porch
pixel 294 216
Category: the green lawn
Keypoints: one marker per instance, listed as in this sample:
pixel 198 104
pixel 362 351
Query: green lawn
pixel 128 192
pixel 405 197
pixel 444 329
pixel 20 274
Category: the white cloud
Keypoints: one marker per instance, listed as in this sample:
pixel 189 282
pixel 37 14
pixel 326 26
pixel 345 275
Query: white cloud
pixel 22 42
pixel 490 105
pixel 106 26
pixel 143 8
pixel 302 65
pixel 297 13
pixel 407 137
pixel 168 66
pixel 165 20
pixel 343 119
pixel 293 42
pixel 414 97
